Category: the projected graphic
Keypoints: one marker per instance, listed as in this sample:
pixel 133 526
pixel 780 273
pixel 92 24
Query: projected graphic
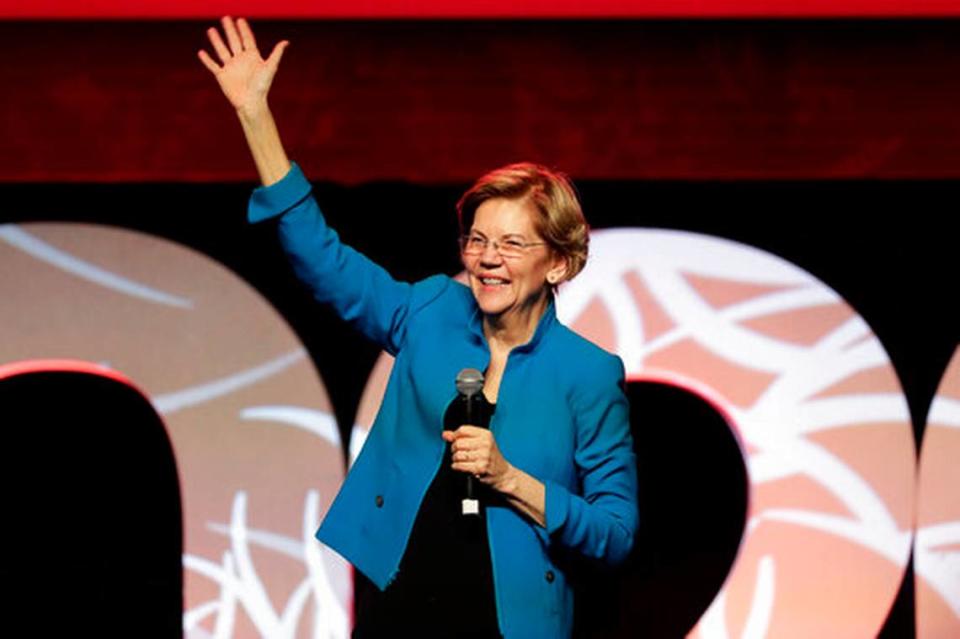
pixel 811 395
pixel 801 378
pixel 250 421
pixel 937 548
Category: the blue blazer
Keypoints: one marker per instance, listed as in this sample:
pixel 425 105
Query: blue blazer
pixel 561 416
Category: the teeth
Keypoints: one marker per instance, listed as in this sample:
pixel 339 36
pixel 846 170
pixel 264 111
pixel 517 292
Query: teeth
pixel 491 281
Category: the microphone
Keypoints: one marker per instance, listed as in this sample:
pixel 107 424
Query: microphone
pixel 469 383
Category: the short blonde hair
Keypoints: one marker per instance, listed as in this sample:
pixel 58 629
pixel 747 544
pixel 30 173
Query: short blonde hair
pixel 560 221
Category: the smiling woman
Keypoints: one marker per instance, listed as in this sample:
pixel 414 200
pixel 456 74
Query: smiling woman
pixel 509 277
pixel 397 518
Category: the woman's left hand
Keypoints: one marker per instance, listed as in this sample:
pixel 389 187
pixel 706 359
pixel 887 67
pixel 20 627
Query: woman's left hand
pixel 474 450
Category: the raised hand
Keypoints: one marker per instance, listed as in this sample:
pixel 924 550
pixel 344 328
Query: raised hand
pixel 245 78
pixel 243 75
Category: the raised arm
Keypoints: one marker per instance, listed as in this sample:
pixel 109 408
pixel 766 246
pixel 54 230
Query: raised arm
pixel 245 79
pixel 359 290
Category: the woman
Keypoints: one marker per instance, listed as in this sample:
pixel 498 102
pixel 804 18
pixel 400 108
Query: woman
pixel 556 465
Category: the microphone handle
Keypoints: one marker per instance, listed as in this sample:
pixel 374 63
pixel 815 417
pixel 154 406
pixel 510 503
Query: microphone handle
pixel 470 415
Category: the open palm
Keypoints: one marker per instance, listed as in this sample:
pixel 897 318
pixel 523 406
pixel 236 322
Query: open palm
pixel 243 75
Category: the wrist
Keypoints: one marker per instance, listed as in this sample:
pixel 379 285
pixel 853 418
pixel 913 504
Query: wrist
pixel 508 482
pixel 254 113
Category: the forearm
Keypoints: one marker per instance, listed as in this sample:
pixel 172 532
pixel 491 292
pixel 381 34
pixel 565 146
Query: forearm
pixel 263 138
pixel 525 493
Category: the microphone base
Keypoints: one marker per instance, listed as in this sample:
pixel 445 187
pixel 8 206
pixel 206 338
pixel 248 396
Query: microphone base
pixel 470 507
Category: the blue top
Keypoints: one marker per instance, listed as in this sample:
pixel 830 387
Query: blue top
pixel 561 416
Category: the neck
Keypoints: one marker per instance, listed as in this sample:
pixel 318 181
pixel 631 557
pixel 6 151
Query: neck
pixel 516 326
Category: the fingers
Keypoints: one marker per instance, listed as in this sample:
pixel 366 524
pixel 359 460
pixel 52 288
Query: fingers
pixel 472 455
pixel 476 467
pixel 208 61
pixel 246 35
pixel 233 38
pixel 471 431
pixel 222 52
pixel 468 437
pixel 274 60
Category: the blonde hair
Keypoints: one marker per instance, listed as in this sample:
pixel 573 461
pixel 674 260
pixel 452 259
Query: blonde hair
pixel 559 221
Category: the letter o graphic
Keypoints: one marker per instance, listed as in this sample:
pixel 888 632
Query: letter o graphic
pixel 936 552
pixel 256 445
pixel 811 394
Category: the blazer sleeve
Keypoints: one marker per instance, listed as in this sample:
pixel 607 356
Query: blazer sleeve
pixel 602 521
pixel 359 290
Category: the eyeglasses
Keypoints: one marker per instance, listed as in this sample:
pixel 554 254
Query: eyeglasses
pixel 508 247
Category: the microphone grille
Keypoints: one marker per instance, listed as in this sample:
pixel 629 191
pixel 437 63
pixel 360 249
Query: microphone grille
pixel 469 381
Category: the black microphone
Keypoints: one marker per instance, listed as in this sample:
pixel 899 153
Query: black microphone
pixel 469 384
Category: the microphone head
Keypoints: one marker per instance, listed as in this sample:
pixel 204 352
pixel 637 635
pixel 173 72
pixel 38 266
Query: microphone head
pixel 469 382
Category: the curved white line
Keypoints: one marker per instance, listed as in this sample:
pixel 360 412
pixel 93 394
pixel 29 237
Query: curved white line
pixel 313 421
pixel 815 370
pixel 276 542
pixel 227 613
pixel 713 623
pixel 944 533
pixel 206 568
pixel 761 608
pixel 945 412
pixel 358 437
pixel 290 617
pixel 172 402
pixel 330 617
pixel 781 457
pixel 197 614
pixel 940 569
pixel 251 589
pixel 35 247
pixel 851 410
pixel 893 545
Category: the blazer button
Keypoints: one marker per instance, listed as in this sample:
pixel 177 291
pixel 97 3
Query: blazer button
pixel 550 576
pixel 379 501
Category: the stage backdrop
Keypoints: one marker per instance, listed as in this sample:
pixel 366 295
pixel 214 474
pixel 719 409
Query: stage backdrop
pixel 441 102
pixel 805 386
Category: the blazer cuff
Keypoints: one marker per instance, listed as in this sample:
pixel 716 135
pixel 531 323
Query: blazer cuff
pixel 557 506
pixel 270 201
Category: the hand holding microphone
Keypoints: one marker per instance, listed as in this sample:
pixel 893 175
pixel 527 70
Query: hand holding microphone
pixel 474 449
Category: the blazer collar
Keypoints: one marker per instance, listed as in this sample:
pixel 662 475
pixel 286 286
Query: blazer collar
pixel 544 324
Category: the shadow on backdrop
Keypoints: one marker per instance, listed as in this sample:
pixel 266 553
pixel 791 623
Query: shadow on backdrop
pixel 693 503
pixel 92 515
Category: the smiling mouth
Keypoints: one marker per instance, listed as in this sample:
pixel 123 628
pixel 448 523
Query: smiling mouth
pixel 493 281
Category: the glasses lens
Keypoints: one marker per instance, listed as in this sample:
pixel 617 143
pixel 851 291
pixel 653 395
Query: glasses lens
pixel 472 244
pixel 512 248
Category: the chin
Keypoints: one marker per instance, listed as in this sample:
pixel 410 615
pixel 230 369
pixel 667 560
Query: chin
pixel 491 308
pixel 490 304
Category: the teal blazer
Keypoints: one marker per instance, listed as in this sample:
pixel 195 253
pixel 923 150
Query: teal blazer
pixel 561 416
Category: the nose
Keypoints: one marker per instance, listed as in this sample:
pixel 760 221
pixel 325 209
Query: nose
pixel 491 254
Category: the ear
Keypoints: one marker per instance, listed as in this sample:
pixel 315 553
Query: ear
pixel 558 270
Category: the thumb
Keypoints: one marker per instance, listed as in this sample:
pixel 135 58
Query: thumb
pixel 274 60
pixel 448 436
